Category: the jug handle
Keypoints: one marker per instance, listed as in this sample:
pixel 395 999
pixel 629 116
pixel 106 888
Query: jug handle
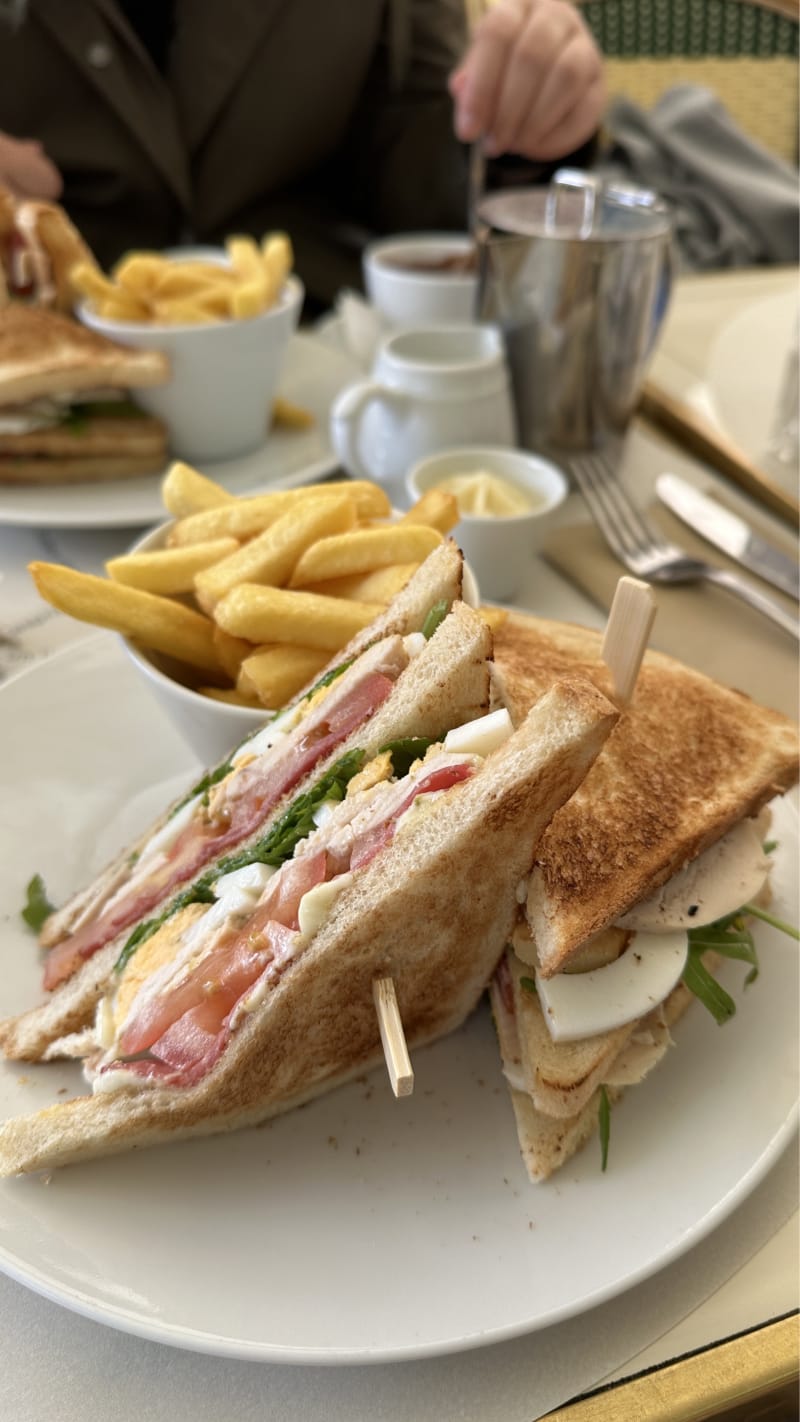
pixel 346 416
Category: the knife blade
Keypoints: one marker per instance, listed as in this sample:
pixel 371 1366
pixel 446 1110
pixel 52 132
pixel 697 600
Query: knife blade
pixel 730 533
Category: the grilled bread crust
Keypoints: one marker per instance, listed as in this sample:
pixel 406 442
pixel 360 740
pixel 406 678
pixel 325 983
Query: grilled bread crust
pixel 46 353
pixel 433 911
pixel 687 760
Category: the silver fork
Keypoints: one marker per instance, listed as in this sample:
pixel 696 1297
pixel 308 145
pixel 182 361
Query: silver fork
pixel 648 555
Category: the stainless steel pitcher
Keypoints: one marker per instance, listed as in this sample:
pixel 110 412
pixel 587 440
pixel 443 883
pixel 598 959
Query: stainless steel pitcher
pixel 577 275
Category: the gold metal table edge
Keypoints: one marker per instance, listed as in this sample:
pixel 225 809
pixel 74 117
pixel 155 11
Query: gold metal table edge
pixel 703 1385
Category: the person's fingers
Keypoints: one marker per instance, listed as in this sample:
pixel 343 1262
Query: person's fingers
pixel 26 169
pixel 577 127
pixel 484 66
pixel 545 34
pixel 567 88
pixel 456 82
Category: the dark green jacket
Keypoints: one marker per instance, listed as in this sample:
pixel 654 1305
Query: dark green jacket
pixel 329 118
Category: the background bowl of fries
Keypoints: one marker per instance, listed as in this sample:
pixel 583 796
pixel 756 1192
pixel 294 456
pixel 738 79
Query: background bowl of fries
pixel 224 320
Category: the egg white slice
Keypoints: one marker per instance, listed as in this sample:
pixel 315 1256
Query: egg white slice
pixel 579 1005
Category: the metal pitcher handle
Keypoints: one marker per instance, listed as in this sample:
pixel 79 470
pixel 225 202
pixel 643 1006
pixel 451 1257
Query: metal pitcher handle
pixel 572 180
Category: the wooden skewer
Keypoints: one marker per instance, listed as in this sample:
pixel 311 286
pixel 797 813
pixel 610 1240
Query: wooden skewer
pixel 398 1063
pixel 627 632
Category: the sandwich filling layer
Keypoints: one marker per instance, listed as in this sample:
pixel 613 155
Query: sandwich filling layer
pixel 181 995
pixel 234 800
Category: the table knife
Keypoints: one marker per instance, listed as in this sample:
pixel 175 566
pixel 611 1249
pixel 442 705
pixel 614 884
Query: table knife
pixel 730 533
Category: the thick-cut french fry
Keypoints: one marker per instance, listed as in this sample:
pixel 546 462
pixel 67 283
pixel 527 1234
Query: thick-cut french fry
pixel 230 696
pixel 271 556
pixel 139 271
pixel 245 257
pixel 156 622
pixel 364 550
pixel 379 586
pixel 170 570
pixel 277 256
pixel 184 491
pixel 287 416
pixel 494 617
pixel 186 311
pixel 275 615
pixel 254 290
pixel 123 307
pixel 231 651
pixel 436 508
pixel 275 674
pixel 190 279
pixel 89 281
pixel 243 518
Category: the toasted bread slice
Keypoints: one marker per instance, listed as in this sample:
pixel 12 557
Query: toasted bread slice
pixel 45 353
pixel 687 761
pixel 79 469
pixel 560 1077
pixel 432 910
pixel 548 1138
pixel 92 436
pixel 445 685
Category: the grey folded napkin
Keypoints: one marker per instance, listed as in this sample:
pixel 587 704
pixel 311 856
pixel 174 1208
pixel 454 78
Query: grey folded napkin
pixel 701 625
pixel 733 203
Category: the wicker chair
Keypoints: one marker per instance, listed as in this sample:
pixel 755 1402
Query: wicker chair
pixel 746 51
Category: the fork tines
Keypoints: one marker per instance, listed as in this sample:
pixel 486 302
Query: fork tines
pixel 622 526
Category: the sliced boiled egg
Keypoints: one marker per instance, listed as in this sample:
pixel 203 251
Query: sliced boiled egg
pixel 316 905
pixel 725 876
pixel 481 736
pixel 165 837
pixel 579 1005
pixel 414 643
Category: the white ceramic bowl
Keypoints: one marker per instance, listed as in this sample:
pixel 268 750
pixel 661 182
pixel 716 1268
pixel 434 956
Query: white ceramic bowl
pixel 405 296
pixel 210 728
pixel 224 375
pixel 499 549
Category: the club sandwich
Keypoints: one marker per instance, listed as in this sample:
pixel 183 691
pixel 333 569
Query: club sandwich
pixel 400 858
pixel 639 883
pixel 65 415
pixel 391 680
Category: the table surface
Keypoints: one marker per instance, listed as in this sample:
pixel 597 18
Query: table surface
pixel 744 1275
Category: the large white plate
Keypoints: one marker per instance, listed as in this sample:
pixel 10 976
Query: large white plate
pixel 315 373
pixel 359 1228
pixel 747 367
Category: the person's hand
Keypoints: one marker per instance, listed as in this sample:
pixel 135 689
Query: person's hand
pixel 531 82
pixel 26 169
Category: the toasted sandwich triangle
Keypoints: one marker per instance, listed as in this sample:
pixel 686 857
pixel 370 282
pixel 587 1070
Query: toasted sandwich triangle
pixel 433 910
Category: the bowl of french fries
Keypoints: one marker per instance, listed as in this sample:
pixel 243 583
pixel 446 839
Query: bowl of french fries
pixel 234 605
pixel 224 318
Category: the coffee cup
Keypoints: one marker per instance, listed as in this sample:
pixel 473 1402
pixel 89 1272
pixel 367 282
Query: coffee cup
pixel 431 388
pixel 423 278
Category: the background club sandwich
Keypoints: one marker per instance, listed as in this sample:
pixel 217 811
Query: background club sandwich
pixel 637 887
pixel 258 994
pixel 64 412
pixel 414 671
pixel 39 247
